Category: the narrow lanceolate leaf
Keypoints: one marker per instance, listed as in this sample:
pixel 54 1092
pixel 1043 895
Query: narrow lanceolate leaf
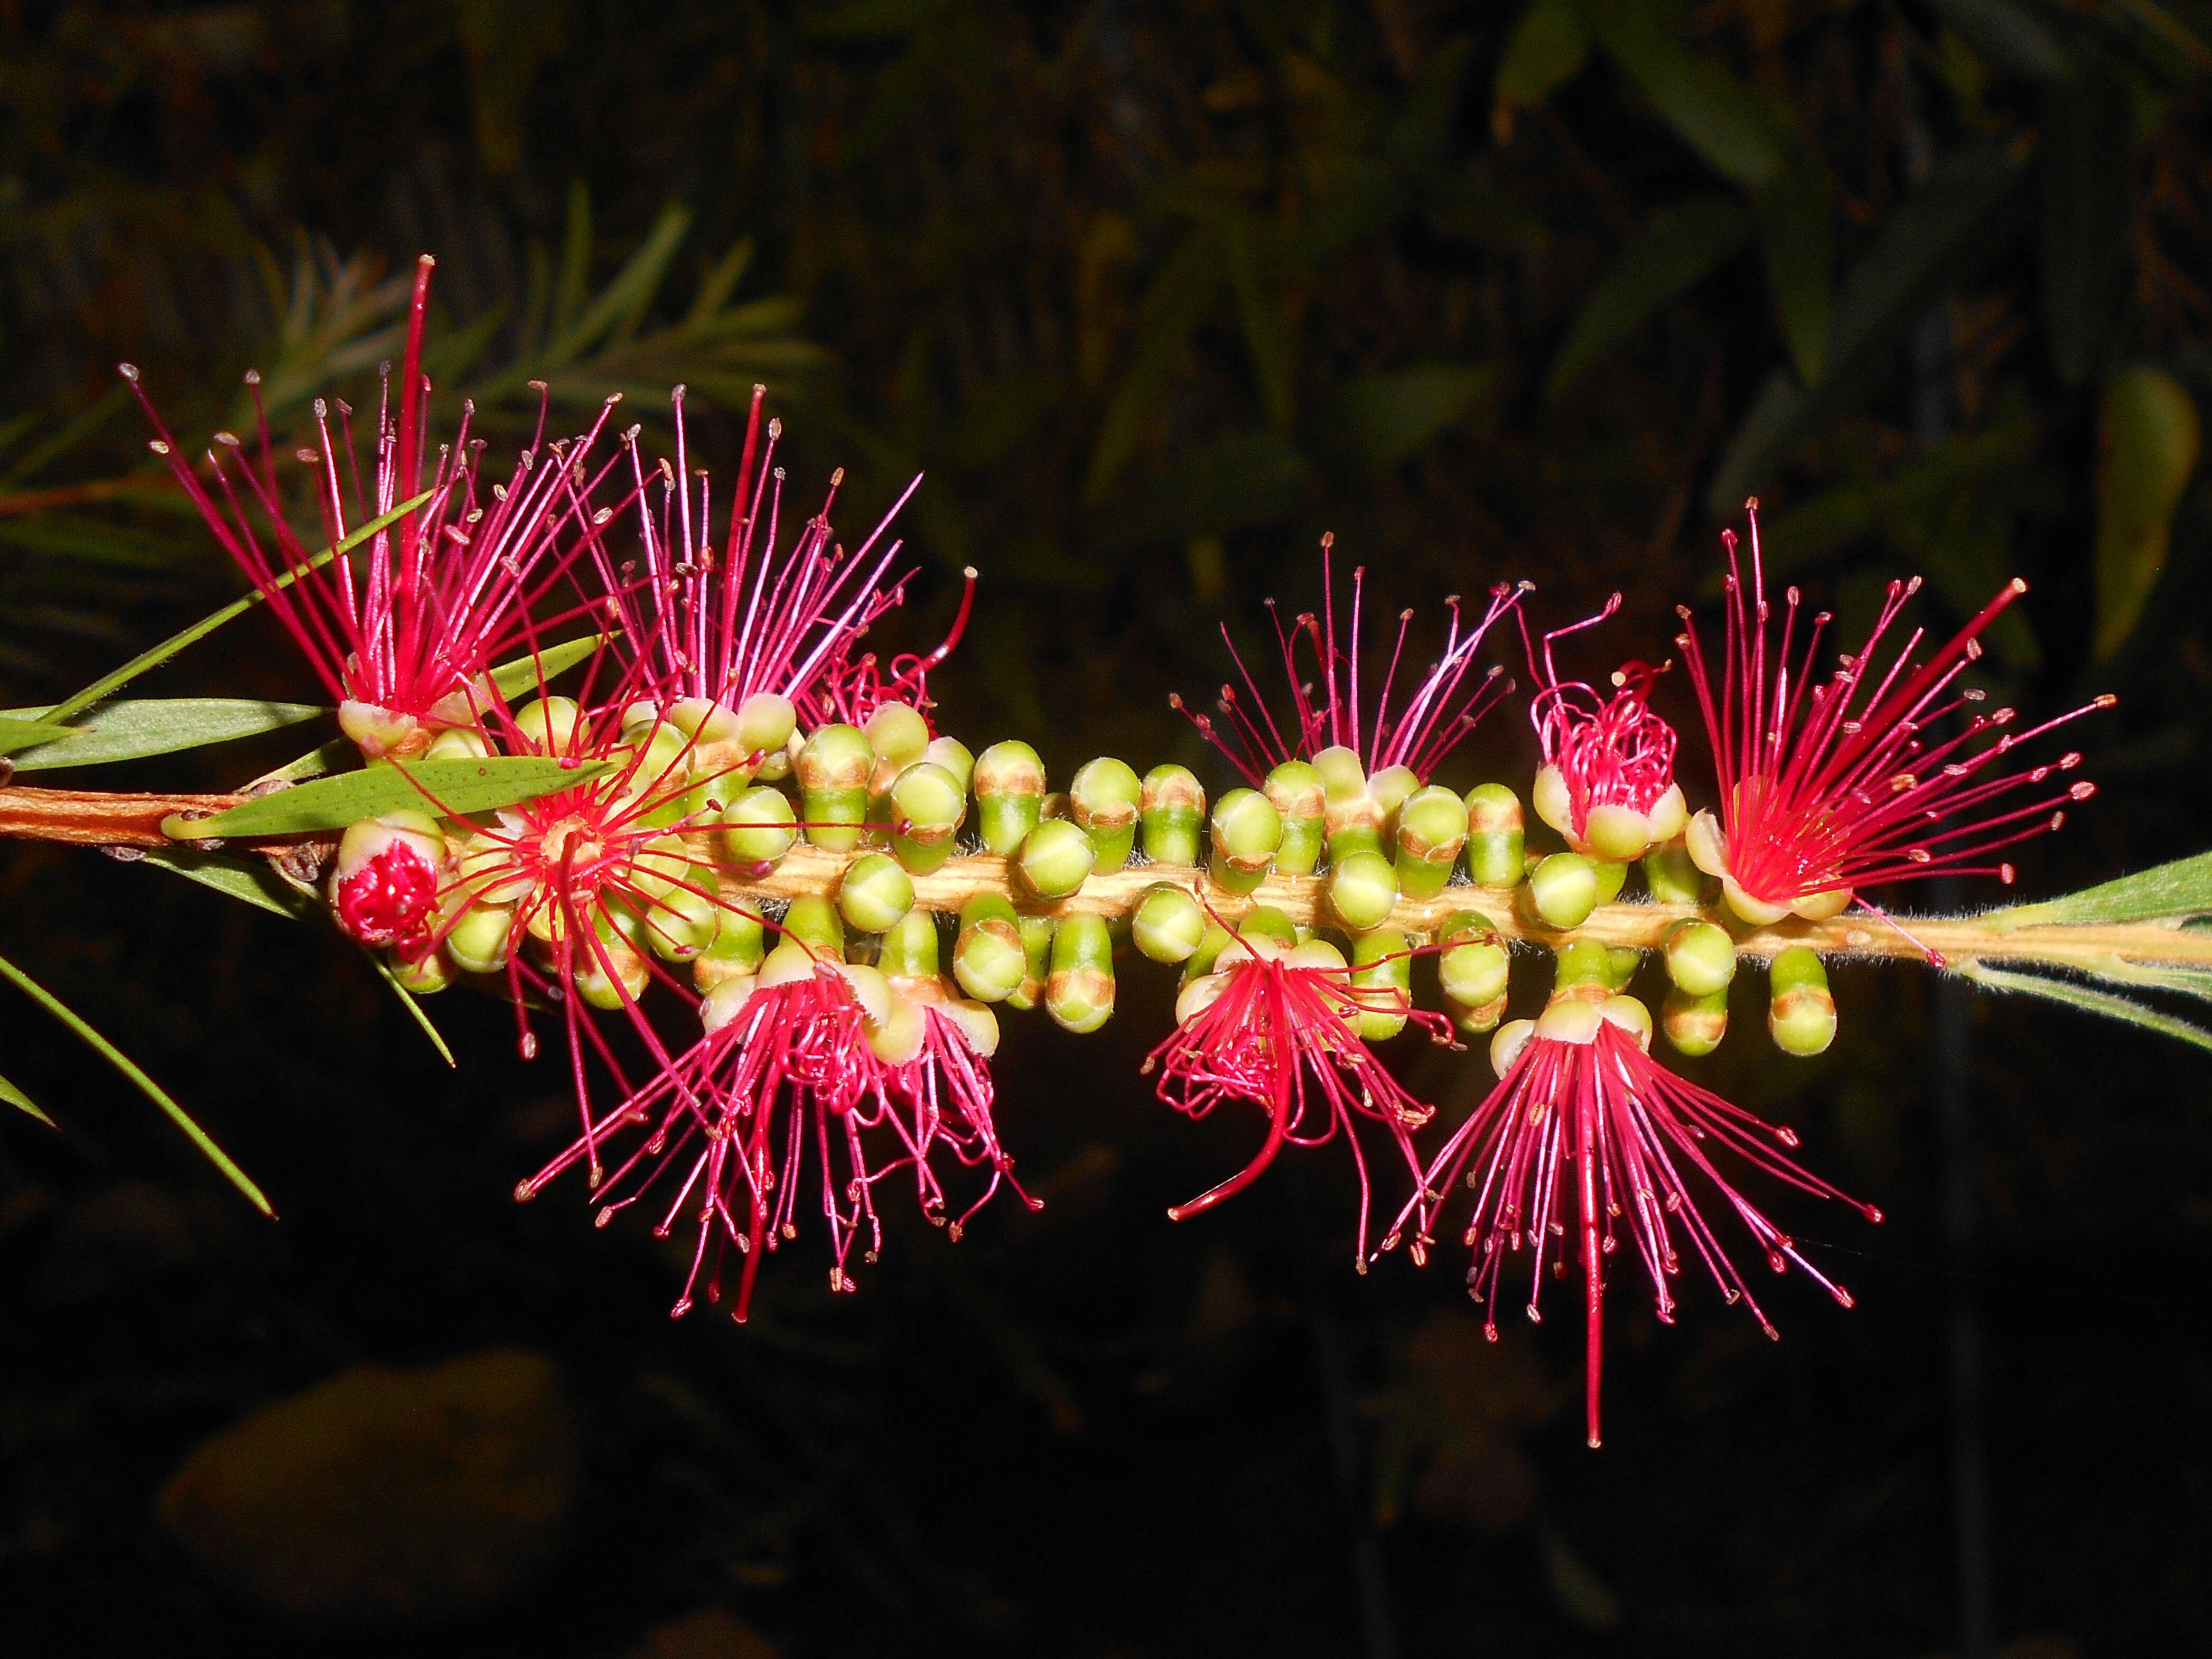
pixel 528 673
pixel 2073 995
pixel 443 787
pixel 2183 981
pixel 1548 49
pixel 2147 444
pixel 153 1091
pixel 414 1006
pixel 1680 246
pixel 108 684
pixel 1794 226
pixel 1717 116
pixel 2170 891
pixel 134 728
pixel 18 733
pixel 323 758
pixel 23 1102
pixel 250 881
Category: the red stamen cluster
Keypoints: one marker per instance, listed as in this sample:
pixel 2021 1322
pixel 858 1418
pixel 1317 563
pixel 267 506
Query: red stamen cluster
pixel 1609 750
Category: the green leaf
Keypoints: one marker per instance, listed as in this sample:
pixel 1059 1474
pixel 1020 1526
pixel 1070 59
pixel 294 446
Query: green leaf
pixel 108 684
pixel 2147 446
pixel 1714 114
pixel 324 758
pixel 2167 892
pixel 442 786
pixel 153 1091
pixel 23 1102
pixel 250 881
pixel 18 732
pixel 414 1006
pixel 529 673
pixel 1548 49
pixel 1387 419
pixel 137 727
pixel 2183 981
pixel 2083 158
pixel 1270 335
pixel 1794 222
pixel 1678 249
pixel 2073 995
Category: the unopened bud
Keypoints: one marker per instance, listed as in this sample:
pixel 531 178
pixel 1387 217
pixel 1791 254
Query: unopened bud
pixel 1694 1024
pixel 1583 965
pixel 1246 831
pixel 908 950
pixel 925 807
pixel 1472 964
pixel 1562 890
pixel 765 723
pixel 548 727
pixel 458 743
pixel 1294 789
pixel 1103 798
pixel 1495 842
pixel 736 948
pixel 1080 990
pixel 1670 876
pixel 1382 983
pixel 1363 890
pixel 1612 877
pixel 834 767
pixel 1170 809
pixel 989 957
pixel 758 828
pixel 422 976
pixel 610 974
pixel 1802 1017
pixel 1037 933
pixel 1431 830
pixel 1216 939
pixel 682 922
pixel 1351 819
pixel 1168 923
pixel 1700 957
pixel 1265 922
pixel 814 922
pixel 899 736
pixel 1054 859
pixel 953 756
pixel 1009 784
pixel 874 893
pixel 481 938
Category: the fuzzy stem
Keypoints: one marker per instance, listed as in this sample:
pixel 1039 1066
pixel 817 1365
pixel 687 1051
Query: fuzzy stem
pixel 97 818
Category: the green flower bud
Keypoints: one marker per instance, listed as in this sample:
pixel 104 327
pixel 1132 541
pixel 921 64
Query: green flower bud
pixel 1363 890
pixel 815 923
pixel 952 755
pixel 1080 991
pixel 1612 877
pixel 758 829
pixel 833 769
pixel 1351 819
pixel 874 893
pixel 909 947
pixel 1382 971
pixel 1171 808
pixel 1694 1024
pixel 1104 798
pixel 1246 830
pixel 1294 789
pixel 1170 923
pixel 662 863
pixel 548 727
pixel 1670 876
pixel 1562 890
pixel 481 938
pixel 1581 961
pixel 1216 939
pixel 1265 922
pixel 658 762
pixel 1391 789
pixel 1431 830
pixel 1009 784
pixel 736 949
pixel 988 956
pixel 458 743
pixel 925 807
pixel 610 976
pixel 765 723
pixel 1037 933
pixel 1054 859
pixel 899 736
pixel 680 924
pixel 427 975
pixel 1802 1017
pixel 1472 964
pixel 1700 957
pixel 1621 962
pixel 1495 842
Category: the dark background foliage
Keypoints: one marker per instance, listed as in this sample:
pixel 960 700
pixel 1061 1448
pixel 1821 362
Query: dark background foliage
pixel 1154 294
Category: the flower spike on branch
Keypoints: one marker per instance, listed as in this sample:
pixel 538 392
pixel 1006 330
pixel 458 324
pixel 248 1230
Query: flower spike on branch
pixel 1279 1027
pixel 1581 1106
pixel 403 634
pixel 1608 781
pixel 1881 772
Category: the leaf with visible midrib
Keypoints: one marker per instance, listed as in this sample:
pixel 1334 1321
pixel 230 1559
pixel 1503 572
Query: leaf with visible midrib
pixel 2183 888
pixel 137 727
pixel 441 786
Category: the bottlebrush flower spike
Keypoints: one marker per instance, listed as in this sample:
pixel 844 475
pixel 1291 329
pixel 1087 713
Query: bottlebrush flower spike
pixel 1331 710
pixel 1275 1027
pixel 717 629
pixel 1579 1101
pixel 795 1059
pixel 1830 786
pixel 1608 781
pixel 402 644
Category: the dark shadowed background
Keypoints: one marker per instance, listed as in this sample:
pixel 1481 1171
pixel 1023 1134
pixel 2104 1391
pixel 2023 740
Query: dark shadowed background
pixel 1154 294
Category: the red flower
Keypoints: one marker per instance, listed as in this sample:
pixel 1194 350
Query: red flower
pixel 1830 786
pixel 1608 781
pixel 1331 710
pixel 1278 1029
pixel 814 1062
pixel 403 642
pixel 1579 1102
